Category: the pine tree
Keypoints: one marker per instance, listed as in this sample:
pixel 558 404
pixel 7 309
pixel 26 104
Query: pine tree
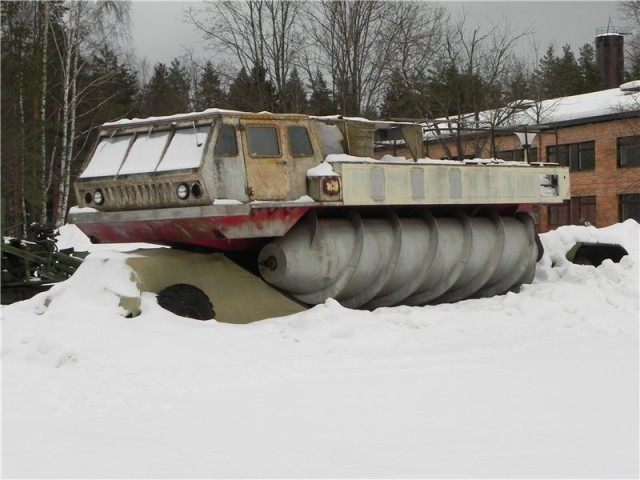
pixel 405 98
pixel 293 95
pixel 569 74
pixel 591 80
pixel 115 96
pixel 238 98
pixel 520 86
pixel 251 92
pixel 19 90
pixel 209 93
pixel 179 99
pixel 167 92
pixel 320 101
pixel 545 73
pixel 560 76
pixel 153 94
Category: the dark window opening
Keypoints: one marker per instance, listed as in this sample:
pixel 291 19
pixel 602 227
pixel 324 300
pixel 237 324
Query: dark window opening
pixel 511 155
pixel 300 142
pixel 226 146
pixel 630 207
pixel 263 141
pixel 518 155
pixel 533 154
pixel 577 211
pixel 577 156
pixel 559 214
pixel 629 151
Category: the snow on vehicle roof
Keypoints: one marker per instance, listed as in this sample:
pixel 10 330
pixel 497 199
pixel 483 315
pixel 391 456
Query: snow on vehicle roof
pixel 211 112
pixel 178 117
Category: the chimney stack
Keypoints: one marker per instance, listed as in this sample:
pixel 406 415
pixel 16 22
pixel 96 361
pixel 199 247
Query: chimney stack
pixel 610 56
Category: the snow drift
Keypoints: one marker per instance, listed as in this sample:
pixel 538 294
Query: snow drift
pixel 539 383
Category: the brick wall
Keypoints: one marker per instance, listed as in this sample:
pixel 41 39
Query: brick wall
pixel 606 182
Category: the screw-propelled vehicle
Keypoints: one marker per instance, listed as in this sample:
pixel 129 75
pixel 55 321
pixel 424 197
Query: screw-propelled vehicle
pixel 270 213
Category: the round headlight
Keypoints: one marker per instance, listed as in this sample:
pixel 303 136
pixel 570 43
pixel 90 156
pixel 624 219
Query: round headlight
pixel 183 191
pixel 98 198
pixel 88 198
pixel 196 190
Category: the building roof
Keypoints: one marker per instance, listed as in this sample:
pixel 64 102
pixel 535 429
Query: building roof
pixel 541 115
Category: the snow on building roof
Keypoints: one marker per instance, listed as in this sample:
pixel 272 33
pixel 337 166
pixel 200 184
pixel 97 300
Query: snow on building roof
pixel 575 108
pixel 585 106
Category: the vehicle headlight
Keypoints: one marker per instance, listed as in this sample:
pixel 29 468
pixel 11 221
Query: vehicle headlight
pixel 196 190
pixel 183 191
pixel 98 198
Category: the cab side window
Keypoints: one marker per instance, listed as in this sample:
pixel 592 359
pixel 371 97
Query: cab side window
pixel 226 146
pixel 263 141
pixel 300 142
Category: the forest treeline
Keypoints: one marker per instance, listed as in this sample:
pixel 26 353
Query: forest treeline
pixel 67 68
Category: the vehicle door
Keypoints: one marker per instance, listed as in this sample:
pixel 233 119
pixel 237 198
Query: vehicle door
pixel 266 162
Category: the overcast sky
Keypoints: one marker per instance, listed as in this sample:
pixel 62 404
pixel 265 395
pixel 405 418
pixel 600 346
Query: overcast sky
pixel 160 34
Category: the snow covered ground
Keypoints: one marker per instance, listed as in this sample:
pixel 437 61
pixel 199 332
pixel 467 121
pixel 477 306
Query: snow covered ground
pixel 543 383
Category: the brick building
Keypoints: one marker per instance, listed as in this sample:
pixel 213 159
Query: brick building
pixel 596 134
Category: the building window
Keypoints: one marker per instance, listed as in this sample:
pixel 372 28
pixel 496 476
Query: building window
pixel 511 155
pixel 533 154
pixel 577 156
pixel 583 210
pixel 629 151
pixel 559 214
pixel 577 211
pixel 630 207
pixel 518 155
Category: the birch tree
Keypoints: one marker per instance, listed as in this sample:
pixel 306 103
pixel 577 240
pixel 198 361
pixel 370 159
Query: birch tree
pixel 45 172
pixel 88 26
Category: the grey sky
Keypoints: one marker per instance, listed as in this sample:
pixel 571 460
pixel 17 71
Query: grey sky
pixel 159 34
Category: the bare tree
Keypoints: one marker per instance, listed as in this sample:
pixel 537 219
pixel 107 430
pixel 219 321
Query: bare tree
pixel 630 10
pixel 474 68
pixel 352 39
pixel 415 29
pixel 261 35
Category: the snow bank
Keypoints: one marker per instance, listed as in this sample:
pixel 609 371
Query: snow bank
pixel 38 330
pixel 558 242
pixel 540 383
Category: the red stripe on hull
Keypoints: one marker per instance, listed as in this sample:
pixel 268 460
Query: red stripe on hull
pixel 221 233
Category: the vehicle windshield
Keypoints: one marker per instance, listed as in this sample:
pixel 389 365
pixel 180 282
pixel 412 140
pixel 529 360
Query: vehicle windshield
pixel 148 152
